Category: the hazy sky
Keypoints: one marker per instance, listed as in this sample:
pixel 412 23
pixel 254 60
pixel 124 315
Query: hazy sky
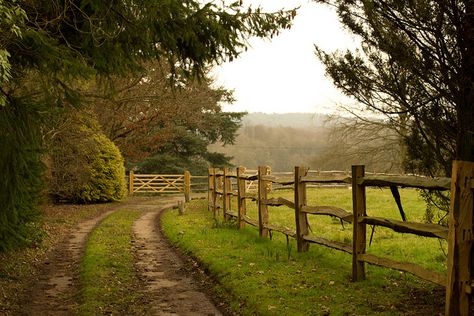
pixel 284 75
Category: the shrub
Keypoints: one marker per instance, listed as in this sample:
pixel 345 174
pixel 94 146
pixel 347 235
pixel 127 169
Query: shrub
pixel 85 166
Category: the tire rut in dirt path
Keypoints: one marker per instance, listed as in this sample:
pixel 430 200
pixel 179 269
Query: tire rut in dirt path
pixel 167 286
pixel 55 290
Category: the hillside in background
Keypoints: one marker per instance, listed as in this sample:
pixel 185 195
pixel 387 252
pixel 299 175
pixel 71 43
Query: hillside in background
pixel 284 141
pixel 281 141
pixel 296 120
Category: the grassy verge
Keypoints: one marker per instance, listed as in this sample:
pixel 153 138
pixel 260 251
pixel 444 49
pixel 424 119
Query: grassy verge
pixel 268 277
pixel 108 277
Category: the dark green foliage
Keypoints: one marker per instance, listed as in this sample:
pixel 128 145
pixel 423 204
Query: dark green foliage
pixel 20 174
pixel 188 150
pixel 85 166
pixel 416 67
pixel 114 37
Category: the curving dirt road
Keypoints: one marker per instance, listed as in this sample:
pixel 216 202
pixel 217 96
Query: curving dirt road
pixel 169 286
pixel 172 291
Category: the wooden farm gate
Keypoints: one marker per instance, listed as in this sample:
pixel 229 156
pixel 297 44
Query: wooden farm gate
pixel 156 183
pixel 167 183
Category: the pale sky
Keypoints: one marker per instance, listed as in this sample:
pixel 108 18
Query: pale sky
pixel 284 75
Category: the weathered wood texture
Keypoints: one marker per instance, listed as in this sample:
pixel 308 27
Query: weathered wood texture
pixel 156 183
pixel 412 268
pixel 327 178
pixel 329 210
pixel 329 243
pixel 130 181
pixel 279 202
pixel 407 181
pixel 420 229
pixel 187 186
pixel 359 228
pixel 358 217
pixel 460 241
pixel 210 189
pixel 215 197
pixel 241 193
pixel 262 196
pixel 301 219
pixel 282 229
pixel 227 193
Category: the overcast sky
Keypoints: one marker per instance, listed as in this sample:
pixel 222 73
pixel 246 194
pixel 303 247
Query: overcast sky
pixel 283 75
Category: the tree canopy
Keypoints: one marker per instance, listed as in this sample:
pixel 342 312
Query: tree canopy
pixel 415 66
pixel 50 51
pixel 146 116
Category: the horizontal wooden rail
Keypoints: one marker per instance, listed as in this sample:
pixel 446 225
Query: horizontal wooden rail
pixel 250 221
pixel 328 210
pixel 327 178
pixel 199 177
pixel 282 229
pixel 412 268
pixel 174 176
pixel 420 229
pixel 284 180
pixel 279 202
pixel 232 213
pixel 329 243
pixel 407 181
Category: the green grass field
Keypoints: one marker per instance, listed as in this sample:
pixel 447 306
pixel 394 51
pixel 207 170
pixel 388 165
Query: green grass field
pixel 268 277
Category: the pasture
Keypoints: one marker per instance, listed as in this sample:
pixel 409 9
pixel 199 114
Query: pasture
pixel 262 276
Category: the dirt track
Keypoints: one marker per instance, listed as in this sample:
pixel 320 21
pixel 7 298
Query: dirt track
pixel 168 284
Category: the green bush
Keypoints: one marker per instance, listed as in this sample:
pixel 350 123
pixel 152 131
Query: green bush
pixel 85 165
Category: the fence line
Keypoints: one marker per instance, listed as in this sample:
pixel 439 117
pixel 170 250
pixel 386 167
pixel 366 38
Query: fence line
pixel 460 235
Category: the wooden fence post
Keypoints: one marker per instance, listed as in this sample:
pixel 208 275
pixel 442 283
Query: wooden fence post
pixel 300 217
pixel 187 186
pixel 359 229
pixel 215 196
pixel 227 193
pixel 130 181
pixel 210 189
pixel 262 197
pixel 241 200
pixel 460 240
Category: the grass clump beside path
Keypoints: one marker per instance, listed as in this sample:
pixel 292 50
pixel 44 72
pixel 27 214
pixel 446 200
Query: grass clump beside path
pixel 268 277
pixel 108 277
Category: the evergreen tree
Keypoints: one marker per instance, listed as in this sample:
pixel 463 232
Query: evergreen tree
pixel 416 66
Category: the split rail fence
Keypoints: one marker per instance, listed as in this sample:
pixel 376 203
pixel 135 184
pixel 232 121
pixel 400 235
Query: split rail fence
pixel 167 183
pixel 225 184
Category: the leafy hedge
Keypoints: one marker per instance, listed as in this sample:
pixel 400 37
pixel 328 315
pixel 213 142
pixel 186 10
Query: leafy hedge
pixel 86 166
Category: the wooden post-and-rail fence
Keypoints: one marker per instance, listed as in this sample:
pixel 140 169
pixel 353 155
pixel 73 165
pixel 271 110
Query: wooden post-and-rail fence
pixel 459 280
pixel 167 183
